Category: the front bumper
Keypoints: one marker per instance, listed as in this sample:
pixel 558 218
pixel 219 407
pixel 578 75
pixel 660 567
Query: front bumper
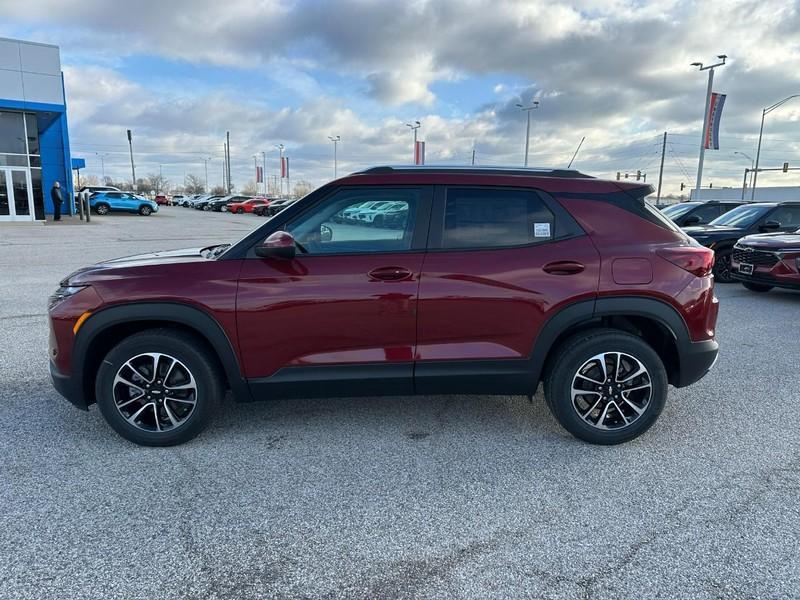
pixel 67 387
pixel 696 359
pixel 781 282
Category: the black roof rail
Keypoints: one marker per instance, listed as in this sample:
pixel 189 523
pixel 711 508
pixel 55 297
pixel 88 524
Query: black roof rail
pixel 478 170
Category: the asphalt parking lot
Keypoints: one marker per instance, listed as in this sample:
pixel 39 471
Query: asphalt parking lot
pixel 414 497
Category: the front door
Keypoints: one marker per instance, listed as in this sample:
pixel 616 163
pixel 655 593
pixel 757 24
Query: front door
pixel 341 317
pixel 16 198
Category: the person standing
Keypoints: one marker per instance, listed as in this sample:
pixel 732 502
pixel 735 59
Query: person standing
pixel 55 195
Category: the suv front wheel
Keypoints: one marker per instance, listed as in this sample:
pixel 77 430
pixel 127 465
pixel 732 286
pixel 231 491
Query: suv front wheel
pixel 159 387
pixel 606 386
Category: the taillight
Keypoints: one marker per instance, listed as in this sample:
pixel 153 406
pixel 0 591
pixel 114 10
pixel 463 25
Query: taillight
pixel 698 260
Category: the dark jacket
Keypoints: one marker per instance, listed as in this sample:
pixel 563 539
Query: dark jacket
pixel 55 195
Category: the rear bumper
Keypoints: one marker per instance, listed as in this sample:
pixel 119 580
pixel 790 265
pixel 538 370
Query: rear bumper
pixel 781 282
pixel 697 359
pixel 67 387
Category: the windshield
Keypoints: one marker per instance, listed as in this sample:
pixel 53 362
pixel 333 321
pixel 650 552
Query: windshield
pixel 678 210
pixel 740 217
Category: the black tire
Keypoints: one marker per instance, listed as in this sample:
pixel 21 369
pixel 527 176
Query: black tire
pixel 722 266
pixel 188 350
pixel 239 211
pixel 377 221
pixel 572 354
pixel 757 287
pixel 145 210
pixel 101 208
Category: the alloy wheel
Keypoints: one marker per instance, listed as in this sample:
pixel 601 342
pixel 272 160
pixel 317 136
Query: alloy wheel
pixel 155 392
pixel 611 390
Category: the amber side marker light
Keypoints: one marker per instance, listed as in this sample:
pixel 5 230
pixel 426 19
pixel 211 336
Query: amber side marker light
pixel 80 321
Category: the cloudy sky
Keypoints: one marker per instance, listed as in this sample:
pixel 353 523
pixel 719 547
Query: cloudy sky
pixel 181 73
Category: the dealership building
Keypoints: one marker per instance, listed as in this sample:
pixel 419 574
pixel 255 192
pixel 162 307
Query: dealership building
pixel 34 145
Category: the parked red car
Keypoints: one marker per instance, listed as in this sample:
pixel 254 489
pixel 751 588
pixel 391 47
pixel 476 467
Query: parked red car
pixel 762 262
pixel 498 280
pixel 248 206
pixel 162 199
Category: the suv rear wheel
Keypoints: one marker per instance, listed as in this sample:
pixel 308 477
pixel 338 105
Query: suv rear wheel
pixel 101 208
pixel 158 387
pixel 606 386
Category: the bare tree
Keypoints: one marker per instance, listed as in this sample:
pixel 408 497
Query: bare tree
pixel 158 183
pixel 194 185
pixel 143 186
pixel 89 180
pixel 250 188
pixel 218 190
pixel 303 187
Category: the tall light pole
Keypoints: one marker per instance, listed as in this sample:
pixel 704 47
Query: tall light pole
pixel 102 164
pixel 752 166
pixel 706 116
pixel 133 168
pixel 264 171
pixel 528 109
pixel 764 113
pixel 335 139
pixel 205 165
pixel 416 125
pixel 280 148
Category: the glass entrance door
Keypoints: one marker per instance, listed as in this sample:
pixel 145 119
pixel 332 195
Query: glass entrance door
pixel 16 199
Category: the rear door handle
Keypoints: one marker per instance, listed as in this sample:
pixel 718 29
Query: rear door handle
pixel 563 267
pixel 390 274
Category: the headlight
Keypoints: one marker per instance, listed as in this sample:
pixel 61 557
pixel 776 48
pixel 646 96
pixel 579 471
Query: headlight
pixel 64 291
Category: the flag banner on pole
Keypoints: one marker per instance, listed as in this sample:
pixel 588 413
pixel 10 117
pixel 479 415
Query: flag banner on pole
pixel 711 135
pixel 259 175
pixel 419 153
pixel 284 167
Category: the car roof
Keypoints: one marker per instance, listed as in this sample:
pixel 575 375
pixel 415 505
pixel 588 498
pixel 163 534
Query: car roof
pixel 478 170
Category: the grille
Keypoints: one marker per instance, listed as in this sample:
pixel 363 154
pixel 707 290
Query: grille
pixel 758 258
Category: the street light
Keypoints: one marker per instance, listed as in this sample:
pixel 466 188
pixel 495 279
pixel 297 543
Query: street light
pixel 528 110
pixel 744 179
pixel 280 148
pixel 414 128
pixel 102 164
pixel 710 69
pixel 764 113
pixel 335 139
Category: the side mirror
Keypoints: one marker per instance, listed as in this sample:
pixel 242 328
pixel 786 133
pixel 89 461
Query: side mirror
pixel 770 226
pixel 280 244
pixel 691 220
pixel 325 233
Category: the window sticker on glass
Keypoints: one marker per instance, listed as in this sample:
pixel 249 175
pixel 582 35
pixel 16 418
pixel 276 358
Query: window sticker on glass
pixel 541 230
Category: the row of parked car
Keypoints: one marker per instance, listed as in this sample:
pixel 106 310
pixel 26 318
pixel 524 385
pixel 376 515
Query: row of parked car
pixel 233 203
pixel 755 243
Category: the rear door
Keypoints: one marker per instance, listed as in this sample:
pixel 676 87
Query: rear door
pixel 500 262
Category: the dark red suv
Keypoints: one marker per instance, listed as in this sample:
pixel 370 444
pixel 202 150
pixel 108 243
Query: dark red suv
pixel 492 281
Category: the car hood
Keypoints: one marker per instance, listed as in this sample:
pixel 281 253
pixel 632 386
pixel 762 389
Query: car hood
pixel 772 240
pixel 711 230
pixel 86 274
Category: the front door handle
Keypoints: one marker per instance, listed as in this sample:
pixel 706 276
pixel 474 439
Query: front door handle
pixel 390 274
pixel 563 267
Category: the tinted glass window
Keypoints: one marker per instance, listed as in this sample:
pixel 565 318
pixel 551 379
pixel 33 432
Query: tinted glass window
pixel 33 133
pixel 787 216
pixel 12 133
pixel 741 217
pixel 486 218
pixel 677 210
pixel 364 221
pixel 707 213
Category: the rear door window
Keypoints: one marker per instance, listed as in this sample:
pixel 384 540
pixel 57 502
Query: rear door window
pixel 494 218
